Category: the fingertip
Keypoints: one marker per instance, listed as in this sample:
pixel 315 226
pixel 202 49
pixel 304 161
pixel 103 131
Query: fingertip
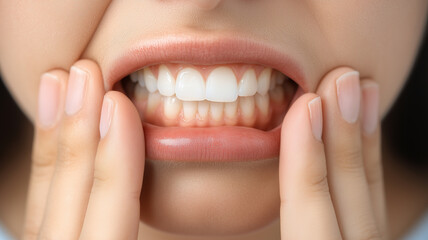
pixel 333 76
pixel 119 115
pixel 51 98
pixel 89 66
pixel 306 109
pixel 370 106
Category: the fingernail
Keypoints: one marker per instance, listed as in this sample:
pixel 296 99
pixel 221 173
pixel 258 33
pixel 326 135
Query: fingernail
pixel 76 90
pixel 348 95
pixel 106 116
pixel 315 115
pixel 370 94
pixel 49 100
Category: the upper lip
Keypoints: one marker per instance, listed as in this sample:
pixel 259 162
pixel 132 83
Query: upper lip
pixel 202 50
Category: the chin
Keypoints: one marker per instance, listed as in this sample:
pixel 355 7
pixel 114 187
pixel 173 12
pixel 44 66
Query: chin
pixel 200 198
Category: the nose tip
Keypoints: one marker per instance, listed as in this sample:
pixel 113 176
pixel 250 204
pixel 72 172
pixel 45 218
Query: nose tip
pixel 206 4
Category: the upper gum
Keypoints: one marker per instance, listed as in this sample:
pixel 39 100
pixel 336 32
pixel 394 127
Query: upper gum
pixel 205 70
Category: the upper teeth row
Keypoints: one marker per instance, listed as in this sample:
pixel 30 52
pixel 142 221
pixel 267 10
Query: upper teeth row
pixel 220 86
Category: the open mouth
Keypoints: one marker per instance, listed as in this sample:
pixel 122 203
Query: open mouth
pixel 210 107
pixel 183 95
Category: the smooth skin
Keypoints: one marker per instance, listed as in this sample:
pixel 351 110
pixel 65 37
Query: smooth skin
pixel 86 187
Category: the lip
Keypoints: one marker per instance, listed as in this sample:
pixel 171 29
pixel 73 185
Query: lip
pixel 212 143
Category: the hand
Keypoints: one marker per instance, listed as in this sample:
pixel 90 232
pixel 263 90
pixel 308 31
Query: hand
pixel 331 180
pixel 81 184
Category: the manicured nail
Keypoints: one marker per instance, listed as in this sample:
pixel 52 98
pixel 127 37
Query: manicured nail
pixel 315 115
pixel 349 95
pixel 76 90
pixel 106 116
pixel 370 94
pixel 49 100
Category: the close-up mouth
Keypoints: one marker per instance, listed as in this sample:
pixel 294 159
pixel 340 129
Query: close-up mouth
pixel 208 106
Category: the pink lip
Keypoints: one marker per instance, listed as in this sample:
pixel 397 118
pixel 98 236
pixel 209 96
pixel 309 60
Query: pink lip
pixel 206 144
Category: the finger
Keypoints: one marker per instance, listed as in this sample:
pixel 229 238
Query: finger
pixel 306 208
pixel 114 207
pixel 372 152
pixel 340 91
pixel 78 140
pixel 50 105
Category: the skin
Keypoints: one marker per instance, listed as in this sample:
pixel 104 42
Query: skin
pixel 322 36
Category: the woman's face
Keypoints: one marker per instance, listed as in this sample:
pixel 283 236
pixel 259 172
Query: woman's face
pixel 378 38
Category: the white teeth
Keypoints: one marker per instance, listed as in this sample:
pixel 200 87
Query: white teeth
pixel 203 108
pixel 153 102
pixel 264 81
pixel 171 107
pixel 150 80
pixel 246 105
pixel 248 84
pixel 216 110
pixel 262 102
pixel 189 110
pixel 194 101
pixel 166 82
pixel 190 85
pixel 230 109
pixel 140 78
pixel 221 85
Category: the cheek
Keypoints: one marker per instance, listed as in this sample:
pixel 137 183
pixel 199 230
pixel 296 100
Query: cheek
pixel 40 36
pixel 378 38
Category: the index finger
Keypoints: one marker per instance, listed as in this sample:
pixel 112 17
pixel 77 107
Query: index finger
pixel 307 210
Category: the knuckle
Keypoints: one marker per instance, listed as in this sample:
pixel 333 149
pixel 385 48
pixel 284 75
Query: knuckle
pixel 349 159
pixel 102 177
pixel 68 156
pixel 44 158
pixel 318 185
pixel 316 178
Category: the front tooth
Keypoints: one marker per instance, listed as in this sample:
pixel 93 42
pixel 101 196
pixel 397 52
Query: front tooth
pixel 248 84
pixel 216 110
pixel 166 82
pixel 190 85
pixel 203 108
pixel 221 85
pixel 246 105
pixel 171 107
pixel 150 80
pixel 262 102
pixel 264 81
pixel 230 109
pixel 189 110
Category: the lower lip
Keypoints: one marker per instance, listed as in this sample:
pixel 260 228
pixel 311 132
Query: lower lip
pixel 213 144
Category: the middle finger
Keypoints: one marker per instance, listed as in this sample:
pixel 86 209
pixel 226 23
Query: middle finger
pixel 340 91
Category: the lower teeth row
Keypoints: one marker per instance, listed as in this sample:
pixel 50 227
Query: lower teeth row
pixel 170 111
